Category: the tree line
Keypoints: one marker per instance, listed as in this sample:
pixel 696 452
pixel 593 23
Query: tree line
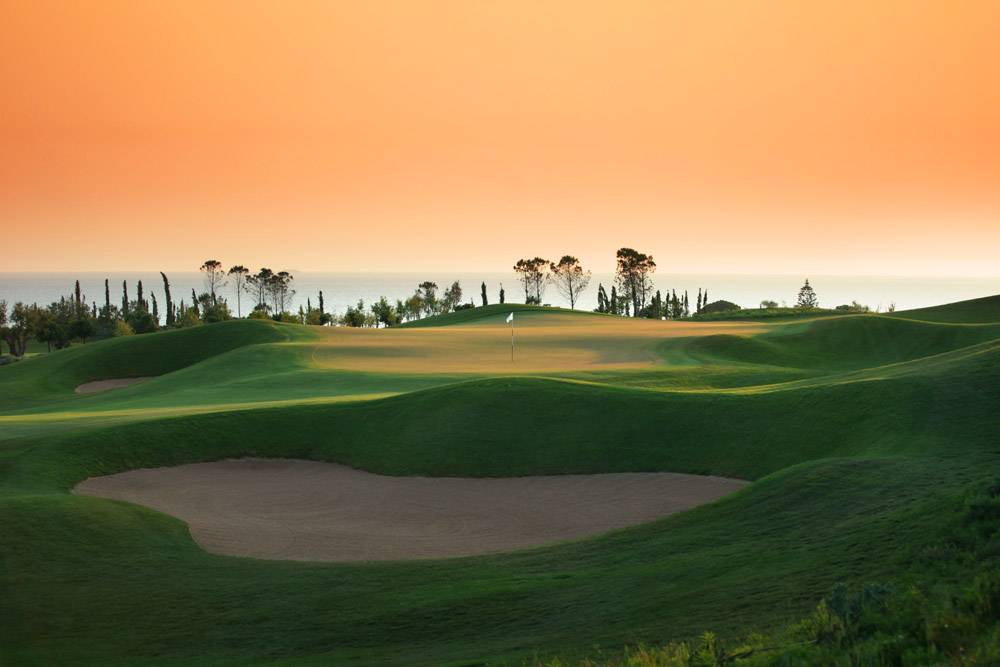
pixel 269 295
pixel 632 293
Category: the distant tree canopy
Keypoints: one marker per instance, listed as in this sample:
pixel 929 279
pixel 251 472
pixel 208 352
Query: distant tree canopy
pixel 427 291
pixel 272 292
pixel 854 307
pixel 239 275
pixel 807 297
pixel 531 273
pixel 720 306
pixel 215 276
pixel 452 298
pixel 569 278
pixel 634 277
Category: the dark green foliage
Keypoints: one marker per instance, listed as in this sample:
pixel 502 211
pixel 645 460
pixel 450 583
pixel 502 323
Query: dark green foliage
pixel 633 273
pixel 82 328
pixel 719 307
pixel 807 297
pixel 483 294
pixel 125 302
pixel 167 301
pixel 532 275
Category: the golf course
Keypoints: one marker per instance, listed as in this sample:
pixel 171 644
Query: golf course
pixel 458 490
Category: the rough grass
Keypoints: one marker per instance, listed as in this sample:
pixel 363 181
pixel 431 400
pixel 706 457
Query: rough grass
pixel 863 437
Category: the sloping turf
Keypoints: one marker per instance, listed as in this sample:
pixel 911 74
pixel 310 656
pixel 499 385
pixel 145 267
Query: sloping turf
pixel 863 433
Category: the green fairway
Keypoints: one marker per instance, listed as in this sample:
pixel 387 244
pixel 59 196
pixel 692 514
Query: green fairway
pixel 863 436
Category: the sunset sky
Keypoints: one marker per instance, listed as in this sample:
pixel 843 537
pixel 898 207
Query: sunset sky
pixel 744 137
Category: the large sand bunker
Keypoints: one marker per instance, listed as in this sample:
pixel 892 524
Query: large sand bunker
pixel 306 510
pixel 98 386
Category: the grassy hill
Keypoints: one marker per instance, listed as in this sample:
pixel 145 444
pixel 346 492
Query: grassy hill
pixel 864 435
pixel 973 311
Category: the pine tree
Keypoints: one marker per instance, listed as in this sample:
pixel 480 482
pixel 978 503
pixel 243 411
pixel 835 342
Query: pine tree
pixel 807 297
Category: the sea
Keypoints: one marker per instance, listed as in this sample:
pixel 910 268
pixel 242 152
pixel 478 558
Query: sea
pixel 342 289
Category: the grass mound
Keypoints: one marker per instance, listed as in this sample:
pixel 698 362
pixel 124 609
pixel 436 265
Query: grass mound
pixel 494 313
pixel 973 311
pixel 52 375
pixel 842 343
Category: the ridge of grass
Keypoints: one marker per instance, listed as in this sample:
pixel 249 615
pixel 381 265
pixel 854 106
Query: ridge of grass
pixel 971 311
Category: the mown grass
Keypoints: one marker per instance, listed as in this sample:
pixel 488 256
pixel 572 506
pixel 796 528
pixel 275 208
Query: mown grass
pixel 984 310
pixel 860 467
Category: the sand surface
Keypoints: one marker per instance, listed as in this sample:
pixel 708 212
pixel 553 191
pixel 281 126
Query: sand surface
pixel 104 385
pixel 307 510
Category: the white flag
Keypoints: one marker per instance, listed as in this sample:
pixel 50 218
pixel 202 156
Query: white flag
pixel 510 318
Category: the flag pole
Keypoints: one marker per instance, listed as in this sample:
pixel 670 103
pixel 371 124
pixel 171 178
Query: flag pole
pixel 512 340
pixel 510 321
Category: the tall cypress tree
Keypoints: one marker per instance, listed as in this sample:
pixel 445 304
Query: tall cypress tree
pixel 501 293
pixel 614 301
pixel 139 303
pixel 485 302
pixel 167 302
pixel 124 300
pixel 321 311
pixel 194 302
pixel 107 296
pixel 156 310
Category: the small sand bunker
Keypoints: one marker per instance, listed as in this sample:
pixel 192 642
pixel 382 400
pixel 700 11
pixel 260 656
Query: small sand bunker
pixel 98 386
pixel 306 510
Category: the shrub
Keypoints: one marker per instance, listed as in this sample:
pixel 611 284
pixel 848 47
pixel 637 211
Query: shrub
pixel 122 328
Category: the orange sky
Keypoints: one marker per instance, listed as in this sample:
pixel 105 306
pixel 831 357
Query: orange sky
pixel 760 136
